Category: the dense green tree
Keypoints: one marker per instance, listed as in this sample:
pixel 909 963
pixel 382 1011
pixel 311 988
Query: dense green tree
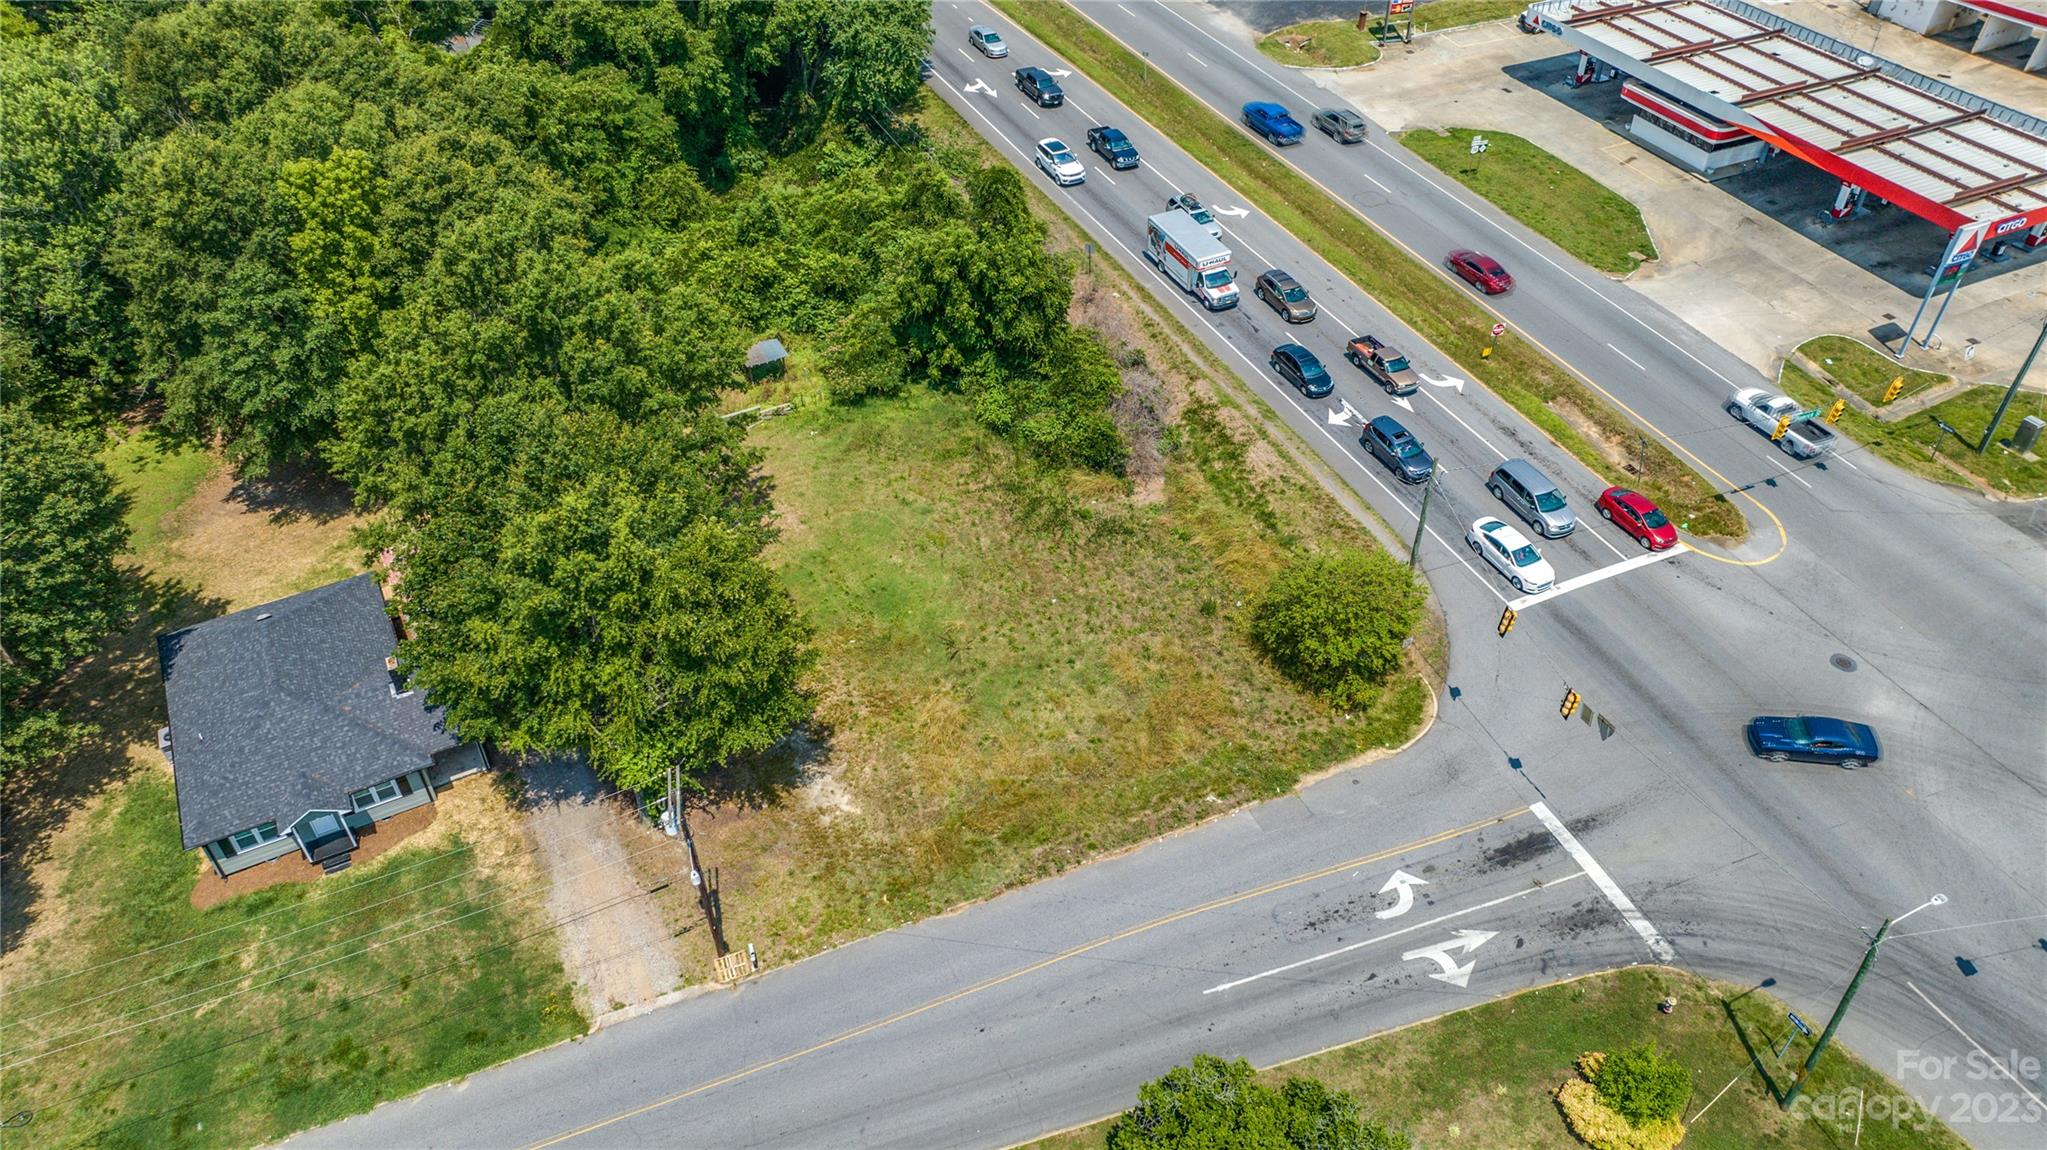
pixel 63 338
pixel 610 596
pixel 61 527
pixel 1335 623
pixel 1214 1104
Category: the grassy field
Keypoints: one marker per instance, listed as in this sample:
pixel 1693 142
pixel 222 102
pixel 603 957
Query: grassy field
pixel 1917 444
pixel 1324 44
pixel 1864 371
pixel 1571 413
pixel 1436 15
pixel 133 1018
pixel 1486 1077
pixel 1571 209
pixel 1022 669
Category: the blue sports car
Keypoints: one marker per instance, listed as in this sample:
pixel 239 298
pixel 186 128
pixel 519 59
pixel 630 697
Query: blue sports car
pixel 1813 739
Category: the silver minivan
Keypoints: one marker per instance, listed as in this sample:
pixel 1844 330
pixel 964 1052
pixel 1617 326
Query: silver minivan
pixel 1530 494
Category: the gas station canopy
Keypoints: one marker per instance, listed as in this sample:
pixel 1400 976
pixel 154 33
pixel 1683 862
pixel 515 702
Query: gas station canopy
pixel 1941 153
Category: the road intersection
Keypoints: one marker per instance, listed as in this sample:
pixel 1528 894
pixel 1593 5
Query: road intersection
pixel 1534 847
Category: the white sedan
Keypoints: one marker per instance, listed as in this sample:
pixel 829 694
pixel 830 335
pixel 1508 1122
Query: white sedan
pixel 1512 553
pixel 1059 162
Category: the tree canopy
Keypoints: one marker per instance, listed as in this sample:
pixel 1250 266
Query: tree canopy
pixel 1335 623
pixel 498 295
pixel 1213 1104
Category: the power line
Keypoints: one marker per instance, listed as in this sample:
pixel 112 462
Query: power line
pixel 291 971
pixel 664 881
pixel 316 895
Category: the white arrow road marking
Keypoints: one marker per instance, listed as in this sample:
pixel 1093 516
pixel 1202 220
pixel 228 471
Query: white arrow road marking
pixel 1621 902
pixel 1057 72
pixel 1234 212
pixel 1402 404
pixel 1391 934
pixel 1446 381
pixel 1342 416
pixel 1404 883
pixel 1465 942
pixel 980 86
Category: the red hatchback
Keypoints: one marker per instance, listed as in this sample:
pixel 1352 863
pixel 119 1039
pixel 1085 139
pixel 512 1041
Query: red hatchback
pixel 1480 270
pixel 1633 513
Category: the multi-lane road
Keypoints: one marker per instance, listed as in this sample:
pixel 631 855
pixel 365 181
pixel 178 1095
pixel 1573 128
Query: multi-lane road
pixel 1542 849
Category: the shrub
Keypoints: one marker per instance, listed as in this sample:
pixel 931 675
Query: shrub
pixel 1602 1129
pixel 1643 1085
pixel 1335 623
pixel 1218 1105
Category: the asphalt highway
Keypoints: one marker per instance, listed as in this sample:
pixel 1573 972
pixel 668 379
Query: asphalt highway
pixel 1544 847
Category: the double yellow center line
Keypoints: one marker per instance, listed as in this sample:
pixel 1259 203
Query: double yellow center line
pixel 1033 968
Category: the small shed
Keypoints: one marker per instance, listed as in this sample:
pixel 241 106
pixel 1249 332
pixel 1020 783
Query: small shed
pixel 765 358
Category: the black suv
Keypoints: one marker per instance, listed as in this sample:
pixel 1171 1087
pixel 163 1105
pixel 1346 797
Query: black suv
pixel 1039 85
pixel 1112 145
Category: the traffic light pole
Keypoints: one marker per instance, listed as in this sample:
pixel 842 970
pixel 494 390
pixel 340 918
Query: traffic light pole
pixel 2012 391
pixel 1414 553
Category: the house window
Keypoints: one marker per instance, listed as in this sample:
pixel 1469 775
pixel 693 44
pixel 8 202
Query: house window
pixel 252 838
pixel 383 792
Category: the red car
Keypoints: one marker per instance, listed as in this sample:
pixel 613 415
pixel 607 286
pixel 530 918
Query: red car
pixel 1480 270
pixel 1633 513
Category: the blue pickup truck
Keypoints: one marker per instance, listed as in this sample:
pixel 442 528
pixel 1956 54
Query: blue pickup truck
pixel 1272 122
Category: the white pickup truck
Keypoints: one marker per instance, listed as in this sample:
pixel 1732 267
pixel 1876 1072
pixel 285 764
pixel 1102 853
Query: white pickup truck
pixel 1806 438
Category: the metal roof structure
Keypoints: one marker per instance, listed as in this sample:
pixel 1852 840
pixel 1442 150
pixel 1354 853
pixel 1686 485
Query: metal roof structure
pixel 1944 154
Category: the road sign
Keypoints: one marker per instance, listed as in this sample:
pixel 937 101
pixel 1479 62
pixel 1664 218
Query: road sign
pixel 1396 7
pixel 1800 1024
pixel 1499 329
pixel 1968 240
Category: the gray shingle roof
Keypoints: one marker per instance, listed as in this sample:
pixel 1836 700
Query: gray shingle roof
pixel 286 708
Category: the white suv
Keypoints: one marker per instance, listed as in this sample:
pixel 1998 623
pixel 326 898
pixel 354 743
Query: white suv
pixel 1059 162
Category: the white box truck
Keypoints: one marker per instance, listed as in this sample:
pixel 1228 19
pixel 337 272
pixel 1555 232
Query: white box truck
pixel 1192 258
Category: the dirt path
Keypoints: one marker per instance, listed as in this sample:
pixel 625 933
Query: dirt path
pixel 621 956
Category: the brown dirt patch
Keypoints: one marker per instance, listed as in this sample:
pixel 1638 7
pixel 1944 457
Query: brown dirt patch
pixel 250 543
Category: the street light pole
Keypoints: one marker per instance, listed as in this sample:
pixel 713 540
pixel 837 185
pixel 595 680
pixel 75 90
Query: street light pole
pixel 1848 996
pixel 2012 391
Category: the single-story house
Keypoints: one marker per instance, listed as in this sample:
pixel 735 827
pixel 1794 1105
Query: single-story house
pixel 290 729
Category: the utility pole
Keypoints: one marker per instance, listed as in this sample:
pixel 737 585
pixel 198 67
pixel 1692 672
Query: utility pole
pixel 1848 996
pixel 2012 391
pixel 1421 523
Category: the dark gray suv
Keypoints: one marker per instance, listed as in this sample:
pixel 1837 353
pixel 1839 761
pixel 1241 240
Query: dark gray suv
pixel 1397 448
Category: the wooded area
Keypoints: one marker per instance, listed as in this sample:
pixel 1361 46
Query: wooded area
pixel 496 294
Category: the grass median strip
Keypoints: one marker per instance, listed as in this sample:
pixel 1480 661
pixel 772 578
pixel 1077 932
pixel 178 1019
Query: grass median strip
pixel 1543 391
pixel 1488 1076
pixel 1567 207
pixel 1917 443
pixel 1320 44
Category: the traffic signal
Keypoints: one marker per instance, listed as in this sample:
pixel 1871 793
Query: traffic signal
pixel 1783 425
pixel 1834 412
pixel 1570 703
pixel 1891 392
pixel 1507 618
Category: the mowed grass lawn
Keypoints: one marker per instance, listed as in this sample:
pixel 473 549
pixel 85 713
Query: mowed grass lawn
pixel 1487 1077
pixel 1320 44
pixel 132 1018
pixel 1917 444
pixel 1019 670
pixel 1863 370
pixel 1561 203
